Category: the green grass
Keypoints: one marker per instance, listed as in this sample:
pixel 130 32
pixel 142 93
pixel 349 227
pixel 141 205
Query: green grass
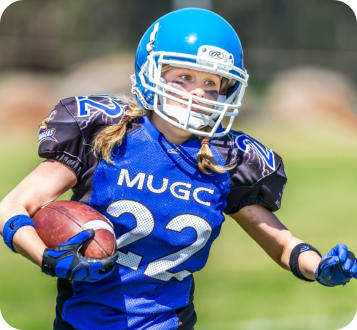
pixel 240 288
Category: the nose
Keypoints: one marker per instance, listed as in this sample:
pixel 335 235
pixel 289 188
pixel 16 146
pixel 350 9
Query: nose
pixel 198 91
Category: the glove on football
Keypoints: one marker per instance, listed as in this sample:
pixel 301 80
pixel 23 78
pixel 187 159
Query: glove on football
pixel 337 267
pixel 65 261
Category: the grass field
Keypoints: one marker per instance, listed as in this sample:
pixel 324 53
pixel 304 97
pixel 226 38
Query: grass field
pixel 241 288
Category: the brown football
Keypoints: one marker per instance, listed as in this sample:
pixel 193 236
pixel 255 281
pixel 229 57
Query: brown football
pixel 58 221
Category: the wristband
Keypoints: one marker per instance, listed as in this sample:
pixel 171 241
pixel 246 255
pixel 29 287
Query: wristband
pixel 294 259
pixel 13 225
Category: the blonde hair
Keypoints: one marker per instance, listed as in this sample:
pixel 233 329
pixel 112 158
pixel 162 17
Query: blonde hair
pixel 205 160
pixel 113 135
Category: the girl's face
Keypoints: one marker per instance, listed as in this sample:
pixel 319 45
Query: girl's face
pixel 198 83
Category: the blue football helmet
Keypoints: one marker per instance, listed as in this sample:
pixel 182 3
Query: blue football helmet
pixel 196 39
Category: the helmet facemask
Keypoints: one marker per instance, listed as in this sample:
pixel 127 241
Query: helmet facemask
pixel 194 114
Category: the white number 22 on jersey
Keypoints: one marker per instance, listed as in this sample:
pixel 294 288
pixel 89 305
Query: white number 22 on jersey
pixel 145 222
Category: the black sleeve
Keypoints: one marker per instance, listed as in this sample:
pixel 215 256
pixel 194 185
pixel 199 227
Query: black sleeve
pixel 66 135
pixel 258 176
pixel 61 139
pixel 266 192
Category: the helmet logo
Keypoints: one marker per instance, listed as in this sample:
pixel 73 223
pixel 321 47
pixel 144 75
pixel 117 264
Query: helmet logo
pixel 208 54
pixel 216 54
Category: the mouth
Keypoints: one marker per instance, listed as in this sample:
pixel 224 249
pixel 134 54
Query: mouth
pixel 198 110
pixel 184 106
pixel 195 109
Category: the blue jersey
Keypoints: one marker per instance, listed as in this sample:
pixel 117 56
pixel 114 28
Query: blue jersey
pixel 165 212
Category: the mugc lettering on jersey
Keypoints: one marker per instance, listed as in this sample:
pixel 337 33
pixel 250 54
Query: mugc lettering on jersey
pixel 180 190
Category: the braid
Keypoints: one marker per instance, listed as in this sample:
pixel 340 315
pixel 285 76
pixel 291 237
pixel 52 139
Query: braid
pixel 112 135
pixel 206 162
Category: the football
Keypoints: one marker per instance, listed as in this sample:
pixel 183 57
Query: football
pixel 58 221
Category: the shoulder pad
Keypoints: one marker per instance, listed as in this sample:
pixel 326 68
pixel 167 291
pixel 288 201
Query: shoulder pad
pixel 67 133
pixel 95 107
pixel 258 176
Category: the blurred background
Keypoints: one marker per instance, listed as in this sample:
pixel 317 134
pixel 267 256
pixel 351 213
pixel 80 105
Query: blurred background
pixel 301 101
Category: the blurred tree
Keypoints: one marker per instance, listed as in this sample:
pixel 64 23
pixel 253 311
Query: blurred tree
pixel 177 4
pixel 276 34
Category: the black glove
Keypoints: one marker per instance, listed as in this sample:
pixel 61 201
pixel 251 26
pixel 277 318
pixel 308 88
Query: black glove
pixel 65 261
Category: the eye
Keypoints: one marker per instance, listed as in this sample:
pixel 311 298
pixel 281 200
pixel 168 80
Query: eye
pixel 210 83
pixel 186 77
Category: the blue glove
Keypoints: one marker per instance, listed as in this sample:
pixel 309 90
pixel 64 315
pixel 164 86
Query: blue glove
pixel 65 261
pixel 337 267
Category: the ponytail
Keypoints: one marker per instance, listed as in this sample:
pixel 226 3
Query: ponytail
pixel 112 135
pixel 206 162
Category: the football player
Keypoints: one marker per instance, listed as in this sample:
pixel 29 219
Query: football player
pixel 164 171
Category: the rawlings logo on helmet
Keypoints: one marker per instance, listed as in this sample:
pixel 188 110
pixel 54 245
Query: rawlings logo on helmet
pixel 216 54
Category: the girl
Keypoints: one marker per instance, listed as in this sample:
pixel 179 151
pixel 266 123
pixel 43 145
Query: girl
pixel 163 171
